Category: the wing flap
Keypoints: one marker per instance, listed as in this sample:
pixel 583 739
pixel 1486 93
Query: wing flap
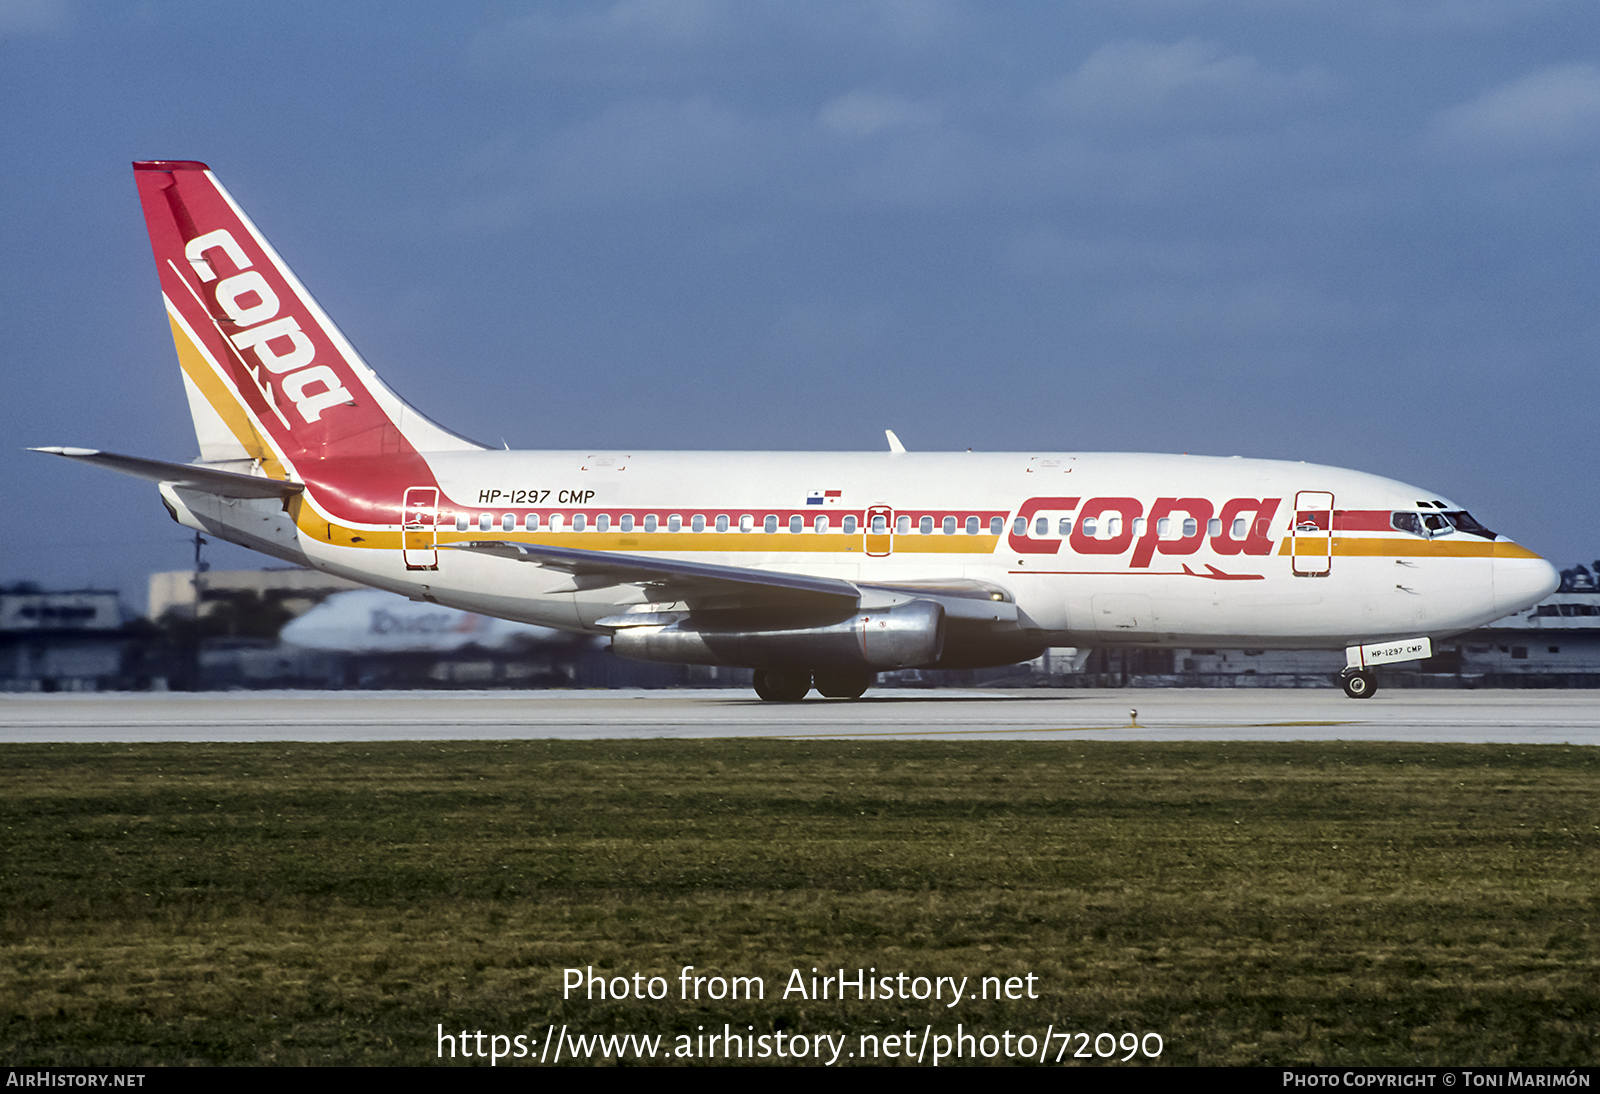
pixel 704 585
pixel 700 584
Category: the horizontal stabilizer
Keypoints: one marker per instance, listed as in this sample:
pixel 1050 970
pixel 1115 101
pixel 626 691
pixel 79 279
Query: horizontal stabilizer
pixel 226 484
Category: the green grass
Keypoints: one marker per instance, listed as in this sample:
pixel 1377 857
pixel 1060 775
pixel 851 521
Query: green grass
pixel 1251 903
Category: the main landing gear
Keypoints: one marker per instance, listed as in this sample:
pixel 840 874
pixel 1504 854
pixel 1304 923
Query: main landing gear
pixel 791 685
pixel 1360 684
pixel 842 683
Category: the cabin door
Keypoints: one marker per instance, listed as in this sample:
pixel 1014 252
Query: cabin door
pixel 419 528
pixel 878 534
pixel 1311 541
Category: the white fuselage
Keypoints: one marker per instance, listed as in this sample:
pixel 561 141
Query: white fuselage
pixel 1095 549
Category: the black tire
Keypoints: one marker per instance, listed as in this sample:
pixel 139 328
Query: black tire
pixel 782 685
pixel 843 683
pixel 1360 685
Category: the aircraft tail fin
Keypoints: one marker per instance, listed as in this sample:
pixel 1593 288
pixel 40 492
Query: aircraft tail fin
pixel 268 374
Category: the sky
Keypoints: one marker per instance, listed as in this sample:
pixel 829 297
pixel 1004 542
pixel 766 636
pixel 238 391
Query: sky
pixel 1352 232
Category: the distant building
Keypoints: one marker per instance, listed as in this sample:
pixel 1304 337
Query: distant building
pixel 61 641
pixel 296 589
pixel 76 610
pixel 1555 643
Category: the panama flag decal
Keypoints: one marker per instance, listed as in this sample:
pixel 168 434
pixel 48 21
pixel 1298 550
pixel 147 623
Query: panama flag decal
pixel 824 497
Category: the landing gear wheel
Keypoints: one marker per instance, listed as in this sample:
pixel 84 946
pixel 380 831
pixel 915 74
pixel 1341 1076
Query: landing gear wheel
pixel 782 685
pixel 843 683
pixel 1360 685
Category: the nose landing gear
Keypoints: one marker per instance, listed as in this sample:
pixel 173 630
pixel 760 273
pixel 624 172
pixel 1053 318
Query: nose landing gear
pixel 1359 684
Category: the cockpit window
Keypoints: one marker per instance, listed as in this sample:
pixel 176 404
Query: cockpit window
pixel 1432 525
pixel 1410 523
pixel 1464 523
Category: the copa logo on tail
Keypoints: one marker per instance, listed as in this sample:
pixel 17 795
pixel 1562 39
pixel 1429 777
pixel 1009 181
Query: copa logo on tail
pixel 278 342
pixel 267 368
pixel 269 376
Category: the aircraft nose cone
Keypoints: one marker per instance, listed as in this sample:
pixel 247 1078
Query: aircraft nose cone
pixel 1521 578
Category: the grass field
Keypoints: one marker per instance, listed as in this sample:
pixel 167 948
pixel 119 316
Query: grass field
pixel 1251 903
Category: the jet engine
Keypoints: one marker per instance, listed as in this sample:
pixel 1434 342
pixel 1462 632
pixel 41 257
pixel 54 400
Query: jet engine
pixel 904 635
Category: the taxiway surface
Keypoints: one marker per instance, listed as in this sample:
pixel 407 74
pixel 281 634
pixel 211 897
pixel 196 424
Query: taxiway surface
pixel 1529 717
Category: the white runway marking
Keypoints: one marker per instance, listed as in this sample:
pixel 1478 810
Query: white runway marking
pixel 1526 717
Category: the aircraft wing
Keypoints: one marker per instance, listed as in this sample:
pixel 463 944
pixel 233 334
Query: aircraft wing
pixel 700 584
pixel 707 585
pixel 211 480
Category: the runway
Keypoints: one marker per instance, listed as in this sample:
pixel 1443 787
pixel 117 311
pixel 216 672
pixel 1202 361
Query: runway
pixel 1523 717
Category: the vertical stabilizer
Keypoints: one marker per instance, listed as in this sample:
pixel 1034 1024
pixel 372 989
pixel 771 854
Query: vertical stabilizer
pixel 269 376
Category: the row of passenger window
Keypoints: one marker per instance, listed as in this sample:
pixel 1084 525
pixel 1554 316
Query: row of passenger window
pixel 1091 527
pixel 948 526
pixel 821 524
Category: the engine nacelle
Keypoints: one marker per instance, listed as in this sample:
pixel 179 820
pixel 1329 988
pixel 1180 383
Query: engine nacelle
pixel 903 636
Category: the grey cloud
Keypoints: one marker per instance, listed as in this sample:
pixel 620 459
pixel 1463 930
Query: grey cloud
pixel 823 330
pixel 867 148
pixel 863 113
pixel 22 17
pixel 1413 16
pixel 661 148
pixel 651 149
pixel 1549 112
pixel 1044 250
pixel 675 40
pixel 1191 82
pixel 1465 16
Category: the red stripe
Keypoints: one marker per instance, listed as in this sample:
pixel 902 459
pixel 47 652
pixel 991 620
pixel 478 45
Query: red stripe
pixel 709 512
pixel 1361 520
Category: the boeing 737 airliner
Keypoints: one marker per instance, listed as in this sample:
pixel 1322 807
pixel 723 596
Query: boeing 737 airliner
pixel 814 569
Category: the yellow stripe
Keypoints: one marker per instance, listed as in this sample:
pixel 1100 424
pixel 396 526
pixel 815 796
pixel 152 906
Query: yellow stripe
pixel 1514 550
pixel 313 525
pixel 223 401
pixel 944 545
pixel 724 542
pixel 1413 548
